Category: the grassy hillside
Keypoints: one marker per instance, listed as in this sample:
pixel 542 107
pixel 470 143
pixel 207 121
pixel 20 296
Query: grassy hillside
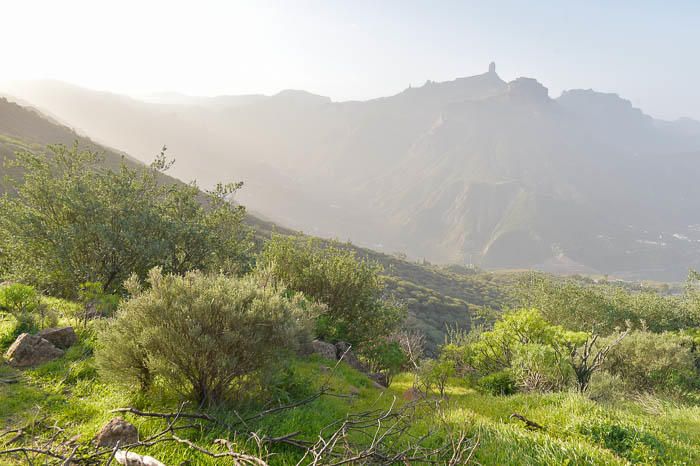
pixel 67 394
pixel 436 297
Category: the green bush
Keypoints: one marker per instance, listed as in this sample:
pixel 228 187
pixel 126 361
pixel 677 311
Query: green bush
pixel 648 361
pixel 71 220
pixel 24 304
pixel 18 299
pixel 435 373
pixel 206 336
pixel 498 383
pixel 385 357
pixel 351 288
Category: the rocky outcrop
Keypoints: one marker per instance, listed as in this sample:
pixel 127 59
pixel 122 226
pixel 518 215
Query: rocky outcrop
pixel 323 349
pixel 116 431
pixel 31 350
pixel 63 337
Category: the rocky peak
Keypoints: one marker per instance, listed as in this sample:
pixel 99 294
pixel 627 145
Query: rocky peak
pixel 528 89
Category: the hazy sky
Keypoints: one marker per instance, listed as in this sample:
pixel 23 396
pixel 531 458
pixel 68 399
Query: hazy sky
pixel 647 51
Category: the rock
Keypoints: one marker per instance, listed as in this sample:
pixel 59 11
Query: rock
pixel 117 430
pixel 129 458
pixel 344 351
pixel 380 379
pixel 31 350
pixel 325 350
pixel 63 337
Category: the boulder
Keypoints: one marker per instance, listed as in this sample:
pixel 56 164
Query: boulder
pixel 344 350
pixel 31 350
pixel 117 430
pixel 63 337
pixel 323 349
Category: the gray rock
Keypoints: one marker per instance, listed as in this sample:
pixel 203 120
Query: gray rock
pixel 325 350
pixel 117 430
pixel 344 350
pixel 63 337
pixel 31 350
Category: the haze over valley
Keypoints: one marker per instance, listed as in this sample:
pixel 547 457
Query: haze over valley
pixel 480 170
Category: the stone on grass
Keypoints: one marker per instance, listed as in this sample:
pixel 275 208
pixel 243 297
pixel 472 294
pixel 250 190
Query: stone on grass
pixel 63 337
pixel 323 349
pixel 117 430
pixel 31 350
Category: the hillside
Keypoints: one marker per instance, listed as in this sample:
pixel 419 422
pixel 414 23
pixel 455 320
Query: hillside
pixel 476 170
pixel 435 296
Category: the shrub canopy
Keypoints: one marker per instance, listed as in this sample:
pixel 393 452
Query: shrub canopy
pixel 69 219
pixel 351 288
pixel 203 335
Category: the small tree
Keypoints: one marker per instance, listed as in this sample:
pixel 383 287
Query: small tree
pixel 587 358
pixel 435 373
pixel 201 335
pixel 385 357
pixel 71 219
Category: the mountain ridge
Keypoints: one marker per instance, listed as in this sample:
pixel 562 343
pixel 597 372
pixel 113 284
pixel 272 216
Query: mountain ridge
pixel 474 170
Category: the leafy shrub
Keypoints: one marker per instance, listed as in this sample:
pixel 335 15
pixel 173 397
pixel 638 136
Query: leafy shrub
pixel 72 220
pixel 540 367
pixel 22 302
pixel 205 336
pixel 435 373
pixel 18 299
pixel 498 383
pixel 581 306
pixel 349 287
pixel 607 387
pixel 648 361
pixel 385 357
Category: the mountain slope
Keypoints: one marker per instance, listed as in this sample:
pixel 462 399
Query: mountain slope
pixel 473 170
pixel 435 297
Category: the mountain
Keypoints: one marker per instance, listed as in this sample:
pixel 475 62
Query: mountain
pixel 476 170
pixel 436 297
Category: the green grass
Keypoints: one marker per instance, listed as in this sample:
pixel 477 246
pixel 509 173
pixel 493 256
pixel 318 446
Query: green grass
pixel 69 393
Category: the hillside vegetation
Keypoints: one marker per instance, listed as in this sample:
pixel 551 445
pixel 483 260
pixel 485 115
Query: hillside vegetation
pixel 146 317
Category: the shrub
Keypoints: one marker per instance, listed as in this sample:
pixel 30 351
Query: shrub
pixel 351 288
pixel 71 220
pixel 435 373
pixel 22 302
pixel 498 383
pixel 17 299
pixel 386 357
pixel 648 361
pixel 203 335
